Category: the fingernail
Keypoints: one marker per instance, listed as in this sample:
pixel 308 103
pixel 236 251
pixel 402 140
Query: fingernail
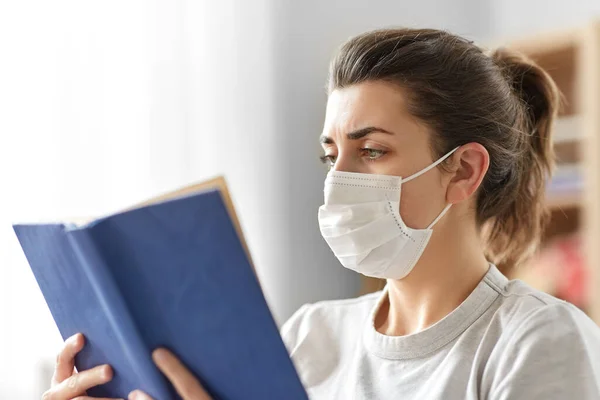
pixel 158 355
pixel 107 372
pixel 133 395
pixel 76 339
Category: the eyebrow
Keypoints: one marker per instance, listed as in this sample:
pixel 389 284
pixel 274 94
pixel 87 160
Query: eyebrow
pixel 355 135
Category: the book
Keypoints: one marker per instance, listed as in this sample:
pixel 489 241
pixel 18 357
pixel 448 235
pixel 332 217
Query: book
pixel 175 272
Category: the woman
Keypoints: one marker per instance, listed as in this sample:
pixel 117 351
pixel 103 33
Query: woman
pixel 470 134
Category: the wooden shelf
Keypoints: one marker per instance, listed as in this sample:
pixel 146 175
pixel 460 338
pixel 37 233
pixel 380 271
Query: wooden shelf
pixel 545 43
pixel 572 58
pixel 558 202
pixel 567 129
pixel 557 53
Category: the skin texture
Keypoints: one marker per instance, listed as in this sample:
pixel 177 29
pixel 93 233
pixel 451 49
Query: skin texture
pixel 451 266
pixel 68 384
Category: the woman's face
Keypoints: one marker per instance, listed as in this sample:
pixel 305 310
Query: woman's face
pixel 368 130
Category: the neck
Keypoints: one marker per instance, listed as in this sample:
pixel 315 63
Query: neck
pixel 450 268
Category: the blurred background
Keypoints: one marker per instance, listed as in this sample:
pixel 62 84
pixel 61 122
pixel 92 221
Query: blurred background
pixel 106 103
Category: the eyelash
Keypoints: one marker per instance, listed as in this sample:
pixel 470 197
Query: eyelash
pixel 330 159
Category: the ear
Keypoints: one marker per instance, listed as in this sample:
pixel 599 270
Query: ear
pixel 469 166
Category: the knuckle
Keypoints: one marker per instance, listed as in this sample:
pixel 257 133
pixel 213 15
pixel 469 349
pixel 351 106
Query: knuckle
pixel 73 381
pixel 48 395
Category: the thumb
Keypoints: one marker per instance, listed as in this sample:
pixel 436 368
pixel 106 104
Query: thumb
pixel 138 395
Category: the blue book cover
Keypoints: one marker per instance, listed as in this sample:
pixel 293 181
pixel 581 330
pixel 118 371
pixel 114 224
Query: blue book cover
pixel 173 273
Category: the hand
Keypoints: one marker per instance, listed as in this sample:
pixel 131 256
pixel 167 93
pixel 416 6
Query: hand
pixel 70 385
pixel 186 385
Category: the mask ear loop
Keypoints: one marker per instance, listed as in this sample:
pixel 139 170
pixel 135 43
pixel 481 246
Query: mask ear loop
pixel 444 211
pixel 429 168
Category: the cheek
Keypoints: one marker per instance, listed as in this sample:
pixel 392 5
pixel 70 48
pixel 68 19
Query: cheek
pixel 422 201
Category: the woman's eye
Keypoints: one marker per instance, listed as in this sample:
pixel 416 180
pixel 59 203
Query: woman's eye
pixel 372 154
pixel 329 160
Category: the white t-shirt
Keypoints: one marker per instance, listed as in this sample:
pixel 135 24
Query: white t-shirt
pixel 505 341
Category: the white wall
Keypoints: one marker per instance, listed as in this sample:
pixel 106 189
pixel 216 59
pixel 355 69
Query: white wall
pixel 510 18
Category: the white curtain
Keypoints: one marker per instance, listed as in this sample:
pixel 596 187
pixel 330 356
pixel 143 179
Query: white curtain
pixel 104 103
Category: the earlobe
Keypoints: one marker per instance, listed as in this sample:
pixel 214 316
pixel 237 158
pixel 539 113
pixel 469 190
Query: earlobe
pixel 471 163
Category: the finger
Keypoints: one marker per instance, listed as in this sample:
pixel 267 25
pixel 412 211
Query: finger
pixel 65 361
pixel 77 384
pixel 138 395
pixel 182 379
pixel 94 398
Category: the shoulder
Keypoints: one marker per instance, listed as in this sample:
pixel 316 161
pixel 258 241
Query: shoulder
pixel 547 347
pixel 522 306
pixel 318 336
pixel 556 323
pixel 326 316
pixel 529 316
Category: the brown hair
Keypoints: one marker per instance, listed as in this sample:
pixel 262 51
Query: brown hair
pixel 501 100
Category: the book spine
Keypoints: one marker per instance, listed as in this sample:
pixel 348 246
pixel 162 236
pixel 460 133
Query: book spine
pixel 124 327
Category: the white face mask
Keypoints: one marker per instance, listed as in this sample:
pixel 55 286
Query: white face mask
pixel 361 222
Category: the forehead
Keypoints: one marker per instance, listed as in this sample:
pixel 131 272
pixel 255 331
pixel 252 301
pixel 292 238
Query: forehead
pixel 364 104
